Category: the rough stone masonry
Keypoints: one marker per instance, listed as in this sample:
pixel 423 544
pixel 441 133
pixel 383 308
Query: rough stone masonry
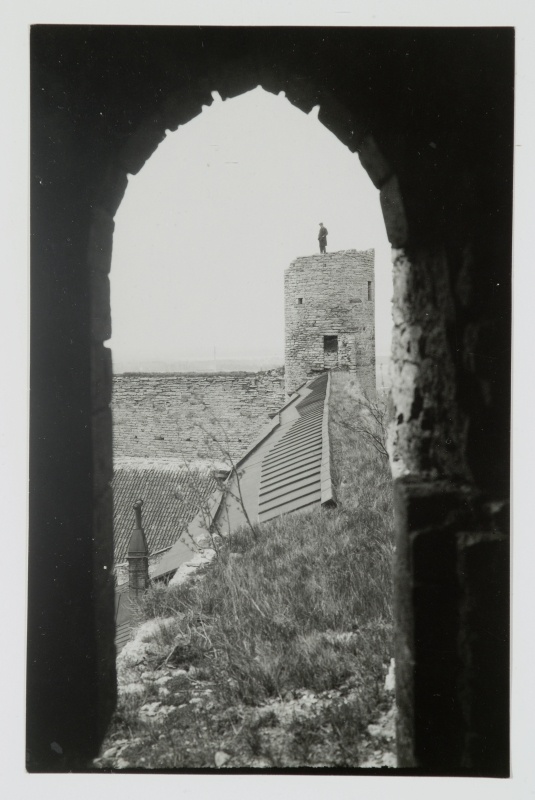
pixel 173 415
pixel 330 316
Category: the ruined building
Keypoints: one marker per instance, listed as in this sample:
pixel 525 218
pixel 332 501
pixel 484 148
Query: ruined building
pixel 329 310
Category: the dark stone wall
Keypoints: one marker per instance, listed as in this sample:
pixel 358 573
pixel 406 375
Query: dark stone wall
pixel 434 133
pixel 452 640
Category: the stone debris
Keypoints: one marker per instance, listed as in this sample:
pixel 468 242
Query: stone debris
pixel 390 680
pixel 276 720
pixel 187 571
pixel 274 723
pixel 149 709
pixel 177 672
pixel 155 710
pixel 383 737
pixel 221 758
pixel 379 760
pixel 260 763
pixel 205 542
pixel 133 659
pixel 132 688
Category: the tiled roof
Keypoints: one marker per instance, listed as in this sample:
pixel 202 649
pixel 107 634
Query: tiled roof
pixel 171 498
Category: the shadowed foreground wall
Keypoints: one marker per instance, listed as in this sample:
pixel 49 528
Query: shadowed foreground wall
pixel 163 415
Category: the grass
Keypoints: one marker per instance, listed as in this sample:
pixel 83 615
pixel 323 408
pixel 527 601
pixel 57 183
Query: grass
pixel 305 605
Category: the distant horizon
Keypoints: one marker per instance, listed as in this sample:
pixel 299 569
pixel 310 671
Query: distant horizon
pixel 148 364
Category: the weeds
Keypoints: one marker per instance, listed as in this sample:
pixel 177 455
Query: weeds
pixel 369 413
pixel 307 575
pixel 306 735
pixel 346 722
pixel 306 605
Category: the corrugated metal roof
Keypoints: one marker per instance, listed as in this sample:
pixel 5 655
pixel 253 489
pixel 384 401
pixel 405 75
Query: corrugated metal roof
pixel 171 499
pixel 287 469
pixel 291 471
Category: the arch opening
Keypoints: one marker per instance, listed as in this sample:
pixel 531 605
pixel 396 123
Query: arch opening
pixel 200 255
pixel 422 338
pixel 220 209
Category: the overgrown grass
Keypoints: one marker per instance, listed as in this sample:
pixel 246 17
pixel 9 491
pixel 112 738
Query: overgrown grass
pixel 306 604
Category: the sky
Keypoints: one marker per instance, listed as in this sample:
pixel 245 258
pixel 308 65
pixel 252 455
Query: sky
pixel 208 226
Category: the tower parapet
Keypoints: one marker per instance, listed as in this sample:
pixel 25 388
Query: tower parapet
pixel 330 316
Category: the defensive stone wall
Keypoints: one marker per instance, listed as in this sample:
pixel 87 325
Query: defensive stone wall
pixel 169 415
pixel 330 316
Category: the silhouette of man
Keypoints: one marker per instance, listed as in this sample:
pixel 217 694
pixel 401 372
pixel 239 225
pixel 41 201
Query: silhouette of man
pixel 322 238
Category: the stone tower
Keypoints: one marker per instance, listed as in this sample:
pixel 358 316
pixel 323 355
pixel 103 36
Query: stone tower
pixel 330 316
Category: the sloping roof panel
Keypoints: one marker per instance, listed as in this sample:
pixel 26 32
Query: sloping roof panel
pixel 181 551
pixel 291 471
pixel 286 470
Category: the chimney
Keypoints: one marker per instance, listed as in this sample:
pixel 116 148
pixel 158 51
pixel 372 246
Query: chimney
pixel 138 558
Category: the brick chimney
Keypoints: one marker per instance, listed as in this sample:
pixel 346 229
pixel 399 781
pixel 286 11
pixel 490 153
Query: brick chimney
pixel 138 558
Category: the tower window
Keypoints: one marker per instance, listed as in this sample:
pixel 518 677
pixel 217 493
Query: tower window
pixel 370 290
pixel 299 301
pixel 330 345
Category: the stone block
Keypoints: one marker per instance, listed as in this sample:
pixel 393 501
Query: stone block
pixel 102 592
pixel 142 144
pixel 338 119
pixel 101 434
pixel 100 307
pixel 112 189
pixel 179 109
pixel 431 504
pixel 236 77
pixel 394 212
pixel 451 638
pixel 374 162
pixel 101 376
pixel 485 649
pixel 100 241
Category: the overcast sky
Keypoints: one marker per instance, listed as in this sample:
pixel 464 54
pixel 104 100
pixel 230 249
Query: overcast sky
pixel 208 226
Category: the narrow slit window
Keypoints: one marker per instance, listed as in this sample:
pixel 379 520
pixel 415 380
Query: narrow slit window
pixel 370 290
pixel 299 301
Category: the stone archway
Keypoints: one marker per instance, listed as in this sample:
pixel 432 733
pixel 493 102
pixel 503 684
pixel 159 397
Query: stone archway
pixel 442 162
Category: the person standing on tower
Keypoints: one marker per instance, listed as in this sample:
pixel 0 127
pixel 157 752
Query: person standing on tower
pixel 322 238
